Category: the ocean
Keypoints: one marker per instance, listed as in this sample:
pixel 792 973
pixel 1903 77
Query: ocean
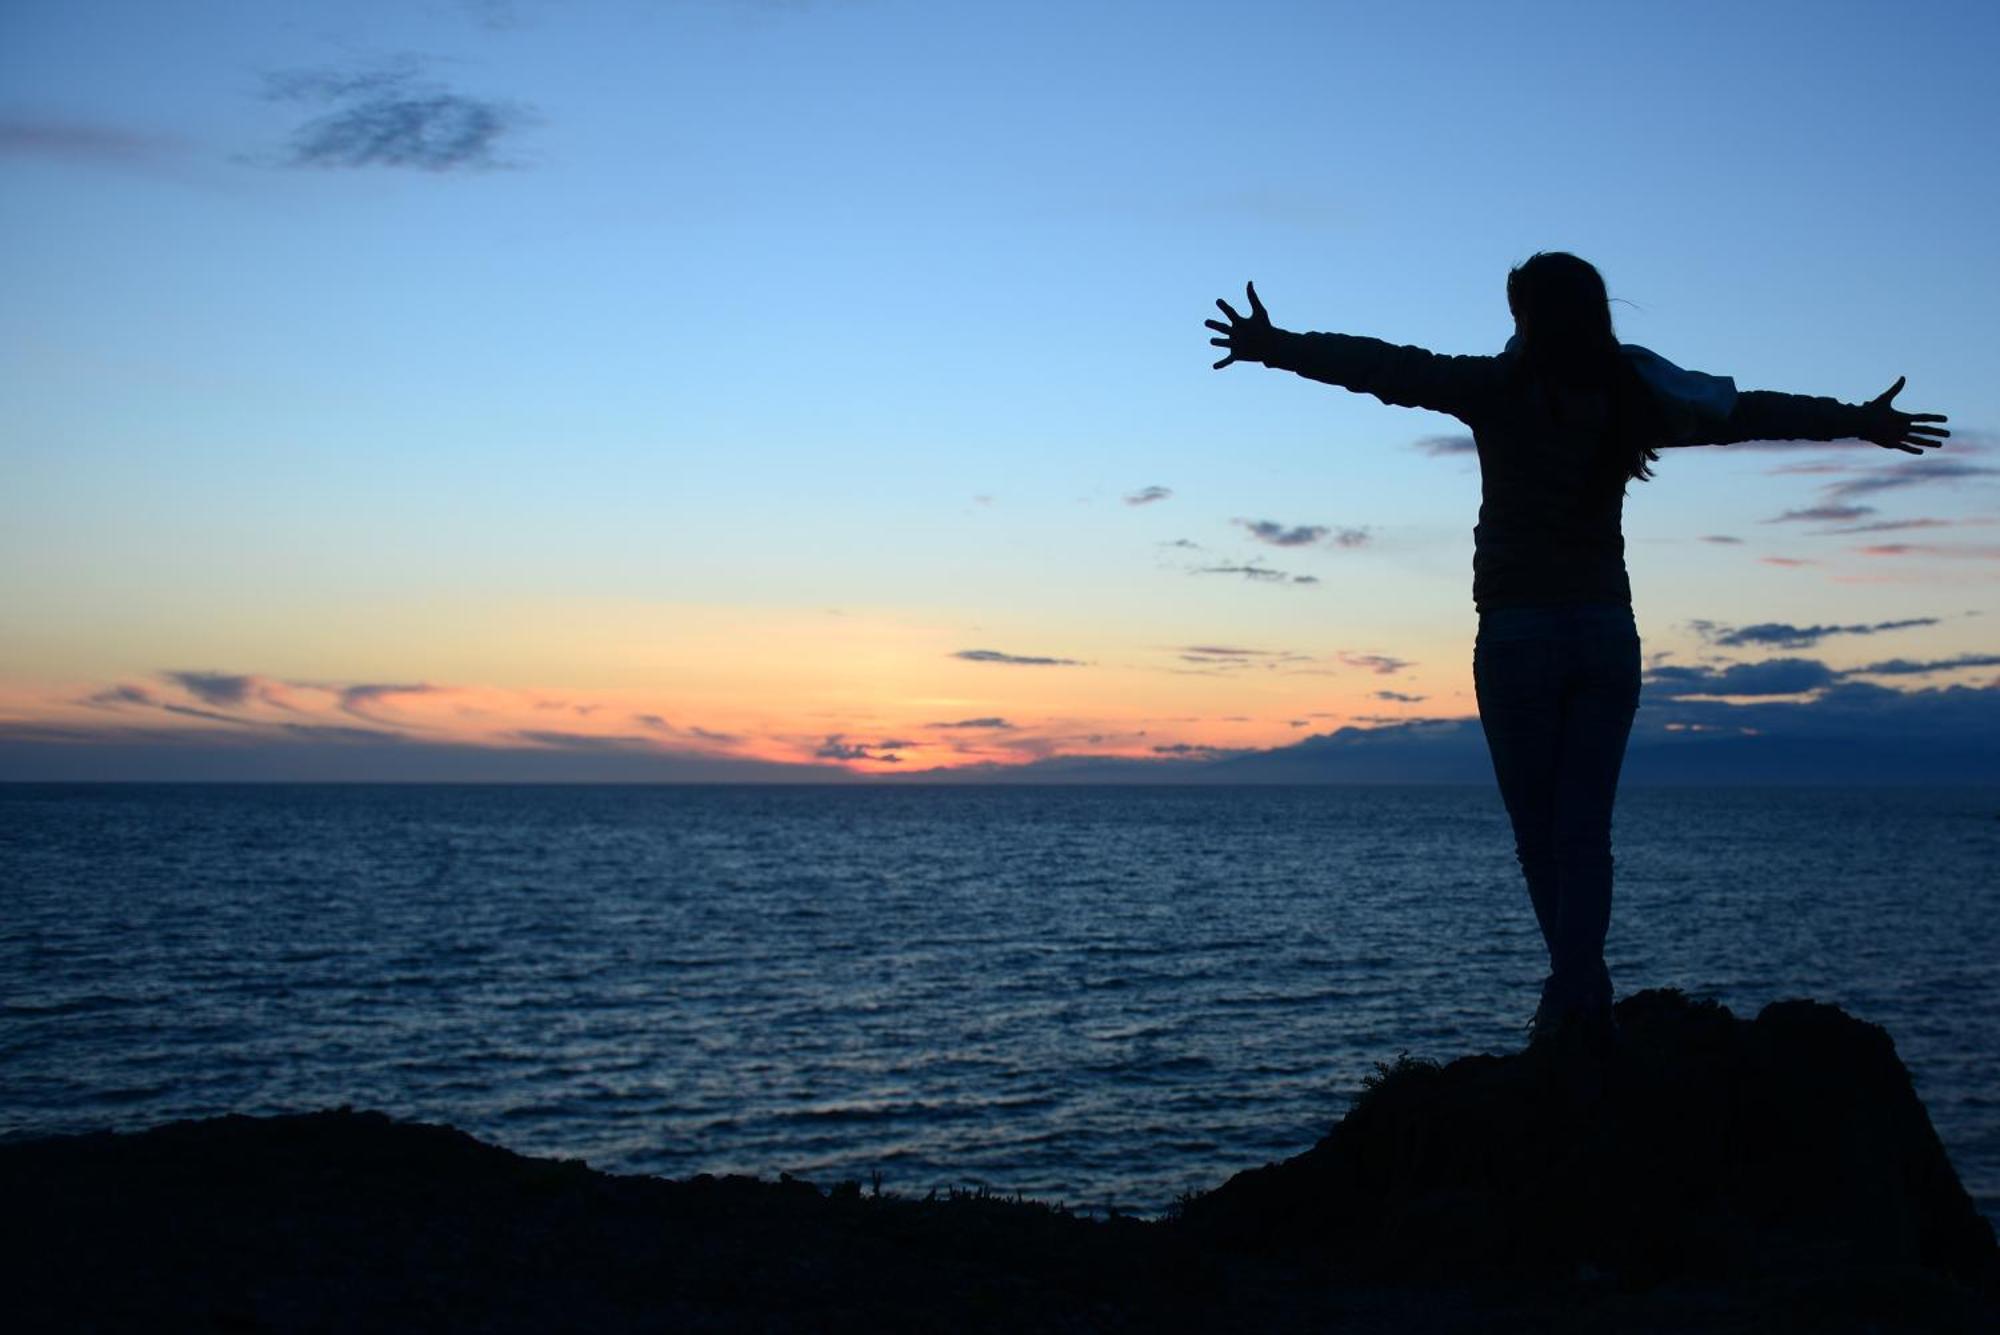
pixel 1100 996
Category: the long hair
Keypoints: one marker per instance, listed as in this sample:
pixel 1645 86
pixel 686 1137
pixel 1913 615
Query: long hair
pixel 1564 317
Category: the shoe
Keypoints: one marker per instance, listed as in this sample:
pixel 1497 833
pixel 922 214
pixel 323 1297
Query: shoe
pixel 1590 1030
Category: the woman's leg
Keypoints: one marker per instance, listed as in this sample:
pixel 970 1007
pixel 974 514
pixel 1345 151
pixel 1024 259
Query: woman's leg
pixel 1601 693
pixel 1557 688
pixel 1514 675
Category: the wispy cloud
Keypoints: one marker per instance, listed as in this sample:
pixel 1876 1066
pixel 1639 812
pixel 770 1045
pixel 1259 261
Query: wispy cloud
pixel 837 747
pixel 392 117
pixel 1948 550
pixel 689 732
pixel 212 715
pixel 980 724
pixel 576 741
pixel 1257 574
pixel 1903 667
pixel 360 698
pixel 1784 635
pixel 1786 562
pixel 1273 533
pixel 1229 651
pixel 1909 473
pixel 1890 526
pixel 77 141
pixel 1440 446
pixel 112 697
pixel 215 688
pixel 1822 514
pixel 1776 676
pixel 336 732
pixel 1400 698
pixel 1147 495
pixel 1278 535
pixel 1721 538
pixel 1382 665
pixel 1014 660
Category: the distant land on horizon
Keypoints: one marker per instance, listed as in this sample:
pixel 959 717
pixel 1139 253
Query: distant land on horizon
pixel 1434 751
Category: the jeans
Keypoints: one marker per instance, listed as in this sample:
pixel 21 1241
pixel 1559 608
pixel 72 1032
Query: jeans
pixel 1557 688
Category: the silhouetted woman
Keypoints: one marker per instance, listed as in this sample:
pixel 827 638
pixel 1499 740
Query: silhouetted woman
pixel 1564 418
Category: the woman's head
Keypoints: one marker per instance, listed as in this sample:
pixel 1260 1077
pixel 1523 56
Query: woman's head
pixel 1562 314
pixel 1563 317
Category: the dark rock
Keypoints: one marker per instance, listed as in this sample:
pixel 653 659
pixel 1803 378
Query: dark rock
pixel 1703 1175
pixel 1693 1147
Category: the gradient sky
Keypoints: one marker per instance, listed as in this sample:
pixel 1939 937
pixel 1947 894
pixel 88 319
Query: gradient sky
pixel 816 382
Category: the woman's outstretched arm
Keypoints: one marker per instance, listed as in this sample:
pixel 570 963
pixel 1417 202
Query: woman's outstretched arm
pixel 1762 414
pixel 1407 377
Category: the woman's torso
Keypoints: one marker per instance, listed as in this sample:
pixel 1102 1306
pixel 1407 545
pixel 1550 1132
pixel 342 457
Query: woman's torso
pixel 1550 505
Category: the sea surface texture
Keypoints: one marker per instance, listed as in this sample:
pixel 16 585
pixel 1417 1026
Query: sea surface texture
pixel 1099 996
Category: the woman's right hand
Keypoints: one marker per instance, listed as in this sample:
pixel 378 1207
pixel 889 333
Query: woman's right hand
pixel 1244 338
pixel 1894 429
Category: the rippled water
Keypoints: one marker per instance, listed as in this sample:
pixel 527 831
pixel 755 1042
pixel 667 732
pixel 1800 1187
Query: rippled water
pixel 1094 995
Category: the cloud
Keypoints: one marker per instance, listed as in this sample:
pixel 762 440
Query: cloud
pixel 357 699
pixel 336 732
pixel 1818 514
pixel 1256 574
pixel 1721 538
pixel 1147 495
pixel 1784 635
pixel 1382 665
pixel 1183 544
pixel 189 711
pixel 575 741
pixel 1400 698
pixel 1891 526
pixel 214 688
pixel 1904 667
pixel 1775 676
pixel 836 747
pixel 1439 446
pixel 1016 660
pixel 1788 562
pixel 1225 651
pixel 660 725
pixel 986 724
pixel 1277 535
pixel 76 141
pixel 391 118
pixel 1953 551
pixel 1303 535
pixel 113 696
pixel 1192 749
pixel 1909 473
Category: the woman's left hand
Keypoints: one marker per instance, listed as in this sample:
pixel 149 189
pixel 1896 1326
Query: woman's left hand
pixel 1894 429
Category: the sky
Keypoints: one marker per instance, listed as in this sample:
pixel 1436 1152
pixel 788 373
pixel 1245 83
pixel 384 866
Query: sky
pixel 738 388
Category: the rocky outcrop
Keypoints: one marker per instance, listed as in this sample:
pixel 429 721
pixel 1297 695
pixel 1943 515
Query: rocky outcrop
pixel 1694 1147
pixel 1705 1174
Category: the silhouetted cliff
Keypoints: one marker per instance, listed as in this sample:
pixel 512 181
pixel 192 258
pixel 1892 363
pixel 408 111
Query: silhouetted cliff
pixel 1707 1174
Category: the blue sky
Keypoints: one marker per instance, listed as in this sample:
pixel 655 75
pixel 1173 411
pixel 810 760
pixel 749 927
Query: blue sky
pixel 707 325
